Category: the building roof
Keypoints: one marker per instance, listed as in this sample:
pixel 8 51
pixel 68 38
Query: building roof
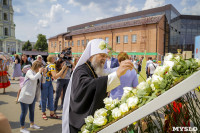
pixel 125 16
pixel 129 23
pixel 34 53
pixel 191 17
pixel 61 34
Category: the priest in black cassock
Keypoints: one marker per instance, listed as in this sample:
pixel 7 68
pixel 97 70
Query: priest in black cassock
pixel 89 85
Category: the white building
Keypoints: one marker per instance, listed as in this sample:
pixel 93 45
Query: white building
pixel 8 42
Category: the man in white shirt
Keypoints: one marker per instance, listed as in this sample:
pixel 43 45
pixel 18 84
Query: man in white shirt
pixel 148 62
pixel 135 63
pixel 111 62
pixel 152 67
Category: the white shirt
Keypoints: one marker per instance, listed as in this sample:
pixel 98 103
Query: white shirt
pixel 135 63
pixel 152 68
pixel 148 62
pixel 108 63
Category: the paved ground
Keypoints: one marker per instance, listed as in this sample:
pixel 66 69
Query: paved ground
pixel 12 111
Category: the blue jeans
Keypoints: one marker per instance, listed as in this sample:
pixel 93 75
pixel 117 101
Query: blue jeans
pixel 47 93
pixel 24 108
pixel 61 85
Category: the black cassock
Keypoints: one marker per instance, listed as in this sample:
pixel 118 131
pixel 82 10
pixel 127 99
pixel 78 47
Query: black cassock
pixel 87 94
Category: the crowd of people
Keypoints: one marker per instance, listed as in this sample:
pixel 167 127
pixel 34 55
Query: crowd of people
pixel 83 81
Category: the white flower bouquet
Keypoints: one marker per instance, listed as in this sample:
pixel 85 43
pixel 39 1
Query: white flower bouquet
pixel 174 70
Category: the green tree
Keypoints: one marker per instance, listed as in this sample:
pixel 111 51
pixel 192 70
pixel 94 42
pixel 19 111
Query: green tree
pixel 27 46
pixel 41 43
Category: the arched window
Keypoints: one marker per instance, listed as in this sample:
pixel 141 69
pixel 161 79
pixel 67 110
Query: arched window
pixel 5 16
pixel 6 31
pixel 5 2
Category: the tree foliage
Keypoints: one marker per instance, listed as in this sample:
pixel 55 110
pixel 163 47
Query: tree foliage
pixel 27 46
pixel 41 44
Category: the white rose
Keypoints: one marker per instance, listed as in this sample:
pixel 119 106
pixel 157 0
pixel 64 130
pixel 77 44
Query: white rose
pixel 89 119
pixel 169 64
pixel 100 121
pixel 198 61
pixel 142 86
pixel 110 103
pixel 153 87
pixel 102 45
pixel 156 78
pixel 100 112
pixel 178 58
pixel 115 101
pixel 108 100
pixel 168 57
pixel 127 89
pixel 161 70
pixel 124 108
pixel 85 131
pixel 83 128
pixel 116 112
pixel 132 101
pixel 149 80
pixel 109 106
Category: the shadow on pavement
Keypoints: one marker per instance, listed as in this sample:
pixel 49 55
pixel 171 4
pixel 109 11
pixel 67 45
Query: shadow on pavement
pixel 15 124
pixel 57 128
pixel 11 93
pixel 2 102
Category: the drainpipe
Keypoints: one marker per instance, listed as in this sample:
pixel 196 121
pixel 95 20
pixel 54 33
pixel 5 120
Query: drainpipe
pixel 112 38
pixel 156 39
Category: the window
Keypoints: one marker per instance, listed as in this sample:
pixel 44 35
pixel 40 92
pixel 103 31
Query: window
pixel 69 44
pixel 5 2
pixel 78 43
pixel 118 39
pixel 51 44
pixel 65 44
pixel 72 43
pixel 60 48
pixel 82 42
pixel 87 41
pixel 6 31
pixel 134 38
pixel 55 44
pixel 5 16
pixel 125 38
pixel 107 40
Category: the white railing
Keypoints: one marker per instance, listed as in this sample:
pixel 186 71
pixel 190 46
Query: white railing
pixel 174 93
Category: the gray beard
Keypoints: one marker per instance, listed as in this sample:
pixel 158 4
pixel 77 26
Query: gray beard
pixel 98 67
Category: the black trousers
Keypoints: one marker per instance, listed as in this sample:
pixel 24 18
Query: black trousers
pixel 73 129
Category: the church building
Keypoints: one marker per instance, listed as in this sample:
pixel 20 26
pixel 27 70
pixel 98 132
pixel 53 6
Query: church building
pixel 8 42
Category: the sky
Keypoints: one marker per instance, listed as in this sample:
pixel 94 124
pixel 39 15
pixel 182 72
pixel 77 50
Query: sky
pixel 52 17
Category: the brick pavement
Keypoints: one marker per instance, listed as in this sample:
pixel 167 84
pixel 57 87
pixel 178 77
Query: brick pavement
pixel 12 111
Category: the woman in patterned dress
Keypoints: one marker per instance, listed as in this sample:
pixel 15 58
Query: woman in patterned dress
pixel 4 81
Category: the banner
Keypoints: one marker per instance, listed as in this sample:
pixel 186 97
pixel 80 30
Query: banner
pixel 197 47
